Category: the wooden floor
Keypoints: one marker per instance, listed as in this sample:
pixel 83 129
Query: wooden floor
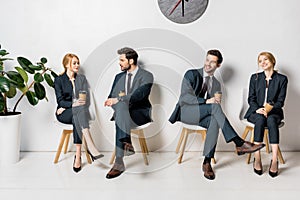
pixel 37 177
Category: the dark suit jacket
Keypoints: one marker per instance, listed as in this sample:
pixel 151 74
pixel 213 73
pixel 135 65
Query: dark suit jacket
pixel 276 92
pixel 190 91
pixel 138 98
pixel 64 89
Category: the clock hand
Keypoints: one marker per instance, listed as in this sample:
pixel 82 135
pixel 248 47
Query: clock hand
pixel 175 7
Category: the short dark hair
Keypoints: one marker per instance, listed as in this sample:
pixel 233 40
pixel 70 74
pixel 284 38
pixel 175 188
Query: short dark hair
pixel 129 54
pixel 217 53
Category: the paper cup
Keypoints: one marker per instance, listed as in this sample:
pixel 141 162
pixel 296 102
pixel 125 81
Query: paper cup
pixel 82 94
pixel 268 107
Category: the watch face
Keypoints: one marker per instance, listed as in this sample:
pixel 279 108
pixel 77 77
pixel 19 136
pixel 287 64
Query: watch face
pixel 183 11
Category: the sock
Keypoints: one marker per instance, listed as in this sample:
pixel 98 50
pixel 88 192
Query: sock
pixel 238 141
pixel 206 160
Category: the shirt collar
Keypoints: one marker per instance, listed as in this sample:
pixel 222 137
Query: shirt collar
pixel 205 74
pixel 134 71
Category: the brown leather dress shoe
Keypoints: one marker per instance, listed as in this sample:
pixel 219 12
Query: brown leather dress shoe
pixel 248 147
pixel 208 172
pixel 128 149
pixel 115 171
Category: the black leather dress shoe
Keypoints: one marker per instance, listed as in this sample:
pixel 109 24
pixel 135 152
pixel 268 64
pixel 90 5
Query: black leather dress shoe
pixel 208 172
pixel 115 171
pixel 128 149
pixel 248 147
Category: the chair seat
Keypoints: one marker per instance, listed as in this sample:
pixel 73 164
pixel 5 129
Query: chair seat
pixel 63 126
pixel 193 127
pixel 141 127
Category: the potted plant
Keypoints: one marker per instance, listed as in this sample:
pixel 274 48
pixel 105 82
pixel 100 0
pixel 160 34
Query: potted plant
pixel 27 78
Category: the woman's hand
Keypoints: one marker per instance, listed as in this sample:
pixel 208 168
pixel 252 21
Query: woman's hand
pixel 262 111
pixel 60 110
pixel 111 102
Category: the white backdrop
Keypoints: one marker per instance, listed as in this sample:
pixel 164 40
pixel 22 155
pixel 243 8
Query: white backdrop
pixel 240 29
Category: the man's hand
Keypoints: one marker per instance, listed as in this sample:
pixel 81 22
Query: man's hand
pixel 111 101
pixel 213 100
pixel 60 110
pixel 79 102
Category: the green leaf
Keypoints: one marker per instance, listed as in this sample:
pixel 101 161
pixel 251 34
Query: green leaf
pixel 3 52
pixel 23 89
pixel 38 77
pixel 4 84
pixel 33 100
pixel 12 92
pixel 24 62
pixel 16 84
pixel 3 59
pixel 39 90
pixel 49 80
pixel 44 60
pixel 54 74
pixel 23 73
pixel 2 103
pixel 15 76
pixel 35 67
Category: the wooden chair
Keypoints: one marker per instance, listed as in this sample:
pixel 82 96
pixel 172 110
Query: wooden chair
pixel 64 141
pixel 139 131
pixel 250 128
pixel 186 130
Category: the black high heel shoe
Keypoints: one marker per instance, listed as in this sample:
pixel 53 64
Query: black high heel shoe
pixel 76 169
pixel 273 174
pixel 260 171
pixel 95 157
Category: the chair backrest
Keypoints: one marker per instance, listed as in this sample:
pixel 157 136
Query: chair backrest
pixel 245 105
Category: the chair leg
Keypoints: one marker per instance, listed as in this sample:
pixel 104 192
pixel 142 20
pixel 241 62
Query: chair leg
pixel 246 131
pixel 143 148
pixel 85 150
pixel 62 140
pixel 267 140
pixel 143 140
pixel 112 159
pixel 251 140
pixel 185 131
pixel 66 143
pixel 280 156
pixel 180 140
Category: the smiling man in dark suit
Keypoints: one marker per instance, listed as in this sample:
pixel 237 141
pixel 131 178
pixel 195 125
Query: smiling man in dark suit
pixel 129 97
pixel 198 106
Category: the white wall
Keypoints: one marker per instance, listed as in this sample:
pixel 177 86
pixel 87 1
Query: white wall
pixel 240 29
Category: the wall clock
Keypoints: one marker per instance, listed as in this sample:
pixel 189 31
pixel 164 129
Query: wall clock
pixel 183 11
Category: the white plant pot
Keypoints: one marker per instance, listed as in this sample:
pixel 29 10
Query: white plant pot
pixel 10 137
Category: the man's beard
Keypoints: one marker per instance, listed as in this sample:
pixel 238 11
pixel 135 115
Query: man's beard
pixel 126 69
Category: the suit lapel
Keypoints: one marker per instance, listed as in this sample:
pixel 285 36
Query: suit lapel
pixel 135 80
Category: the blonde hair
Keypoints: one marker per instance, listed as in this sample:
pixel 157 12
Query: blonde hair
pixel 68 59
pixel 269 56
